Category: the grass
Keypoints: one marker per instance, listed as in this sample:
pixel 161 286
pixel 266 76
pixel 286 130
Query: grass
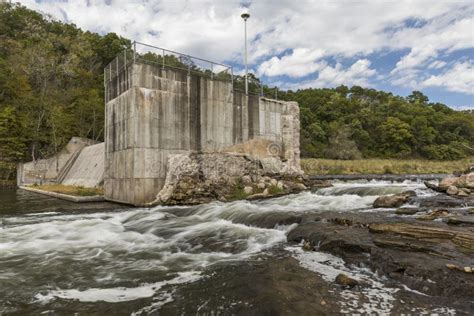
pixel 70 189
pixel 275 190
pixel 238 192
pixel 383 166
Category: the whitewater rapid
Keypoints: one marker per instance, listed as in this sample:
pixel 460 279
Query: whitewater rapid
pixel 125 255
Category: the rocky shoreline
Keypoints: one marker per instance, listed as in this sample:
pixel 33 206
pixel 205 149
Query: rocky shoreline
pixel 425 247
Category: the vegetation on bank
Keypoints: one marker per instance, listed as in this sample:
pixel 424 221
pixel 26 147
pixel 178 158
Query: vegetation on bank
pixel 354 123
pixel 69 189
pixel 51 88
pixel 383 166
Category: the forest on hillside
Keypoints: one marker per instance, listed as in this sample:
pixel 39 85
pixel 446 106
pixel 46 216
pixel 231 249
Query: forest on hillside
pixel 51 88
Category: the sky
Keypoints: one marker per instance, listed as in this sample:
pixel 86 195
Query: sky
pixel 397 46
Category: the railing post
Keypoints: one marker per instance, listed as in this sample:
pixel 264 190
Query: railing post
pixel 134 51
pixel 105 86
pixel 212 71
pixel 117 75
pixel 276 93
pixel 163 59
pixel 261 89
pixel 232 77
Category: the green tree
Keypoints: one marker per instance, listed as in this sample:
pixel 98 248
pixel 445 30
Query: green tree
pixel 341 146
pixel 396 137
pixel 417 97
pixel 12 147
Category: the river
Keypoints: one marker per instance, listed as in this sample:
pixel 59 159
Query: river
pixel 58 258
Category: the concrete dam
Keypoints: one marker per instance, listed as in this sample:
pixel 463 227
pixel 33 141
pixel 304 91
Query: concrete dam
pixel 155 111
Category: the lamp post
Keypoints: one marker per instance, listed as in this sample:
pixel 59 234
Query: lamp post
pixel 245 16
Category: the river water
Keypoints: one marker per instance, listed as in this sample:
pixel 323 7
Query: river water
pixel 58 258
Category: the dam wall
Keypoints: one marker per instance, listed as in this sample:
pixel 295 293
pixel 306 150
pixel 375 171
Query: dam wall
pixel 54 168
pixel 88 169
pixel 153 112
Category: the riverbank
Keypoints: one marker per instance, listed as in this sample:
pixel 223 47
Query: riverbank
pixel 78 191
pixel 313 167
pixel 67 197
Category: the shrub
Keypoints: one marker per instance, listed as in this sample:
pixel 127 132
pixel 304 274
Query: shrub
pixel 453 151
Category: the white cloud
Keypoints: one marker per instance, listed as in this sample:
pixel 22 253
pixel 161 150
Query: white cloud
pixel 443 34
pixel 359 73
pixel 459 78
pixel 300 63
pixel 437 64
pixel 314 32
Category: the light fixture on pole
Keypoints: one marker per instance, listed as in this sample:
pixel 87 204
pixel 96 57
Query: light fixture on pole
pixel 245 16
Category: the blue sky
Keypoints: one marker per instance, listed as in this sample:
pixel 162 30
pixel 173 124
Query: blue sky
pixel 397 46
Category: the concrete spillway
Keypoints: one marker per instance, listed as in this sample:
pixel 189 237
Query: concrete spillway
pixel 154 112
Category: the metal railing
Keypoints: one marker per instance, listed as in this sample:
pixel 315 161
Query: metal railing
pixel 145 53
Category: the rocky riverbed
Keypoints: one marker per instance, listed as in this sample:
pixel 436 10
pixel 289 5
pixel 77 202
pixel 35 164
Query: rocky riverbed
pixel 329 251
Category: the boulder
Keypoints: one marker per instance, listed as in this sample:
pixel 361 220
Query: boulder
pixel 301 186
pixel 452 190
pixel 433 186
pixel 440 200
pixel 248 190
pixel 461 220
pixel 261 185
pixel 396 200
pixel 465 181
pixel 343 279
pixel 246 180
pixel 446 182
pixel 434 215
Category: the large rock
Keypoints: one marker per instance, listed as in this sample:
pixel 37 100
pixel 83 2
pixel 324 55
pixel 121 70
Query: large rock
pixel 465 181
pixel 461 220
pixel 452 190
pixel 345 280
pixel 195 178
pixel 434 215
pixel 441 200
pixel 396 200
pixel 446 182
pixel 433 186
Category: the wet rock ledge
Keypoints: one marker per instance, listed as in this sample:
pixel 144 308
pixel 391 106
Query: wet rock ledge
pixel 435 258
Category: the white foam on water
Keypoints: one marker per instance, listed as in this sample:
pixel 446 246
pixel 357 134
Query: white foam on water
pixel 117 294
pixel 41 213
pixel 302 202
pixel 439 311
pixel 373 297
pixel 375 188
